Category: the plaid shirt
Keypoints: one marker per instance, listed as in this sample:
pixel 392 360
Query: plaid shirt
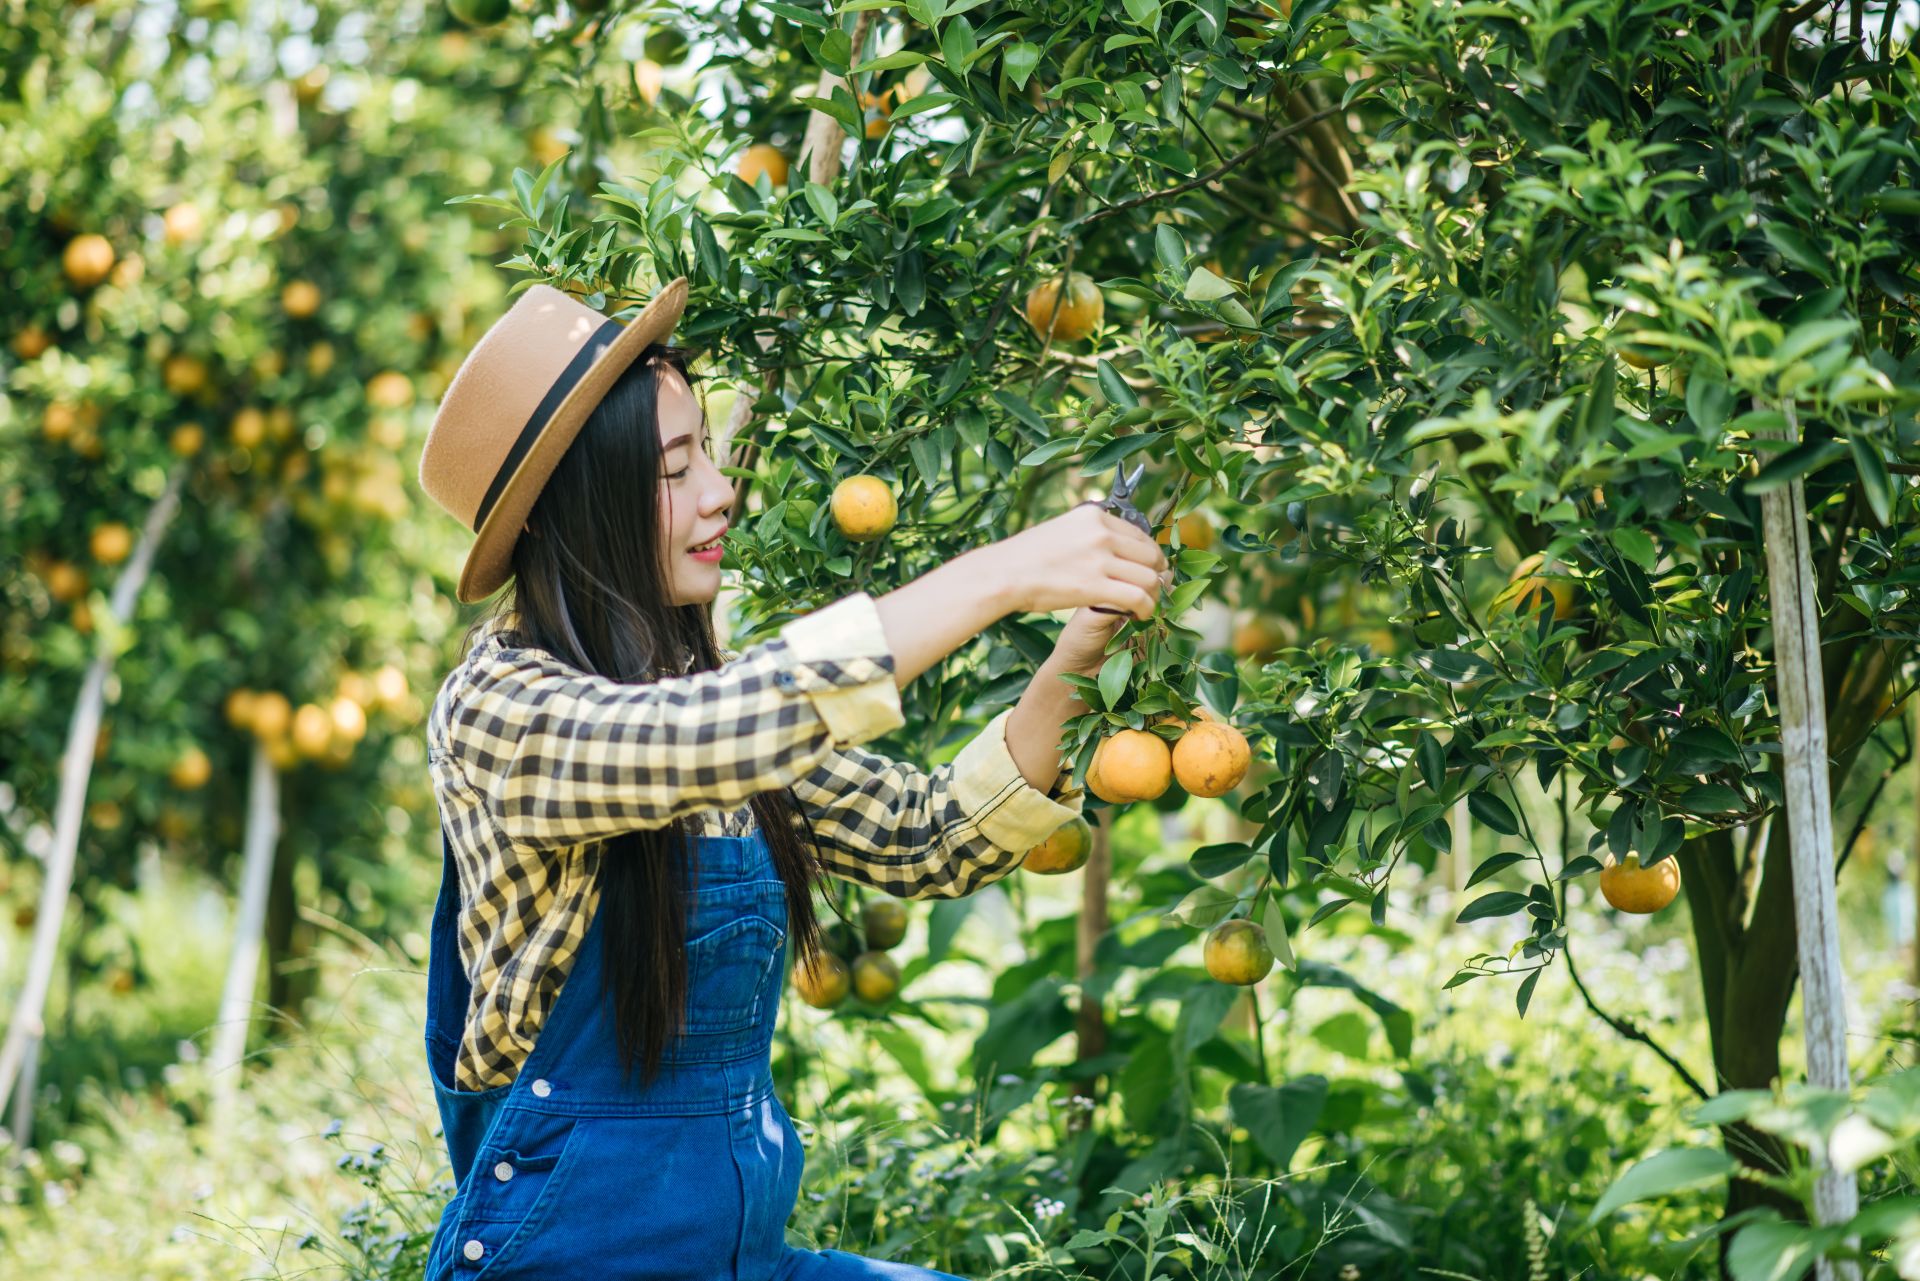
pixel 534 762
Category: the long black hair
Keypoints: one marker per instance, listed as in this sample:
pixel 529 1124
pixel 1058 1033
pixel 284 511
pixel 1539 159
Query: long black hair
pixel 590 584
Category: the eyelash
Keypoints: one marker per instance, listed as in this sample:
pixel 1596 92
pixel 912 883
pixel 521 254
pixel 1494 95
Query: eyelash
pixel 706 447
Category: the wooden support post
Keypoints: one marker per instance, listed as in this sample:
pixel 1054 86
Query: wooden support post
pixel 1809 816
pixel 243 963
pixel 76 769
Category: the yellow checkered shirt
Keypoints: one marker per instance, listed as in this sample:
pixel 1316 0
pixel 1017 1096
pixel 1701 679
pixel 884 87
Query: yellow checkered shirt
pixel 535 762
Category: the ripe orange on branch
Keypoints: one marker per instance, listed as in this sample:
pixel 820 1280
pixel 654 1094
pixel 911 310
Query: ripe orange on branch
pixel 87 259
pixel 824 984
pixel 864 508
pixel 1237 952
pixel 1130 765
pixel 1211 758
pixel 1195 532
pixel 191 769
pixel 1640 890
pixel 1064 851
pixel 762 158
pixel 1071 320
pixel 300 298
pixel 110 543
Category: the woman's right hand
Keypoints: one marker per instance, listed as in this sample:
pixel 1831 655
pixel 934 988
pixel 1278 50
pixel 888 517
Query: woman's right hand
pixel 1084 556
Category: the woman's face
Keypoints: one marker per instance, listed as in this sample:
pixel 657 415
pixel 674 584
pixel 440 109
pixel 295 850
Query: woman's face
pixel 694 496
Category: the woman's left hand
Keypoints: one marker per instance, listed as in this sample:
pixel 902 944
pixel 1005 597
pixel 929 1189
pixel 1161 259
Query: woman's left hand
pixel 1082 646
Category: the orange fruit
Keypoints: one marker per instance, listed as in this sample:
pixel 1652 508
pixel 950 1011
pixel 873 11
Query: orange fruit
pixel 248 428
pixel 1529 583
pixel 1195 532
pixel 239 708
pixel 762 158
pixel 30 343
pixel 824 984
pixel 128 271
pixel 876 108
pixel 1065 851
pixel 59 420
pixel 1258 636
pixel 66 581
pixel 389 686
pixel 349 719
pixel 1211 758
pixel 863 508
pixel 312 730
pixel 190 769
pixel 182 223
pixel 1633 888
pixel 1619 743
pixel 105 815
pixel 110 543
pixel 1074 319
pixel 82 617
pixel 272 714
pixel 300 298
pixel 1133 765
pixel 875 977
pixel 87 259
pixel 187 439
pixel 884 922
pixel 1237 952
pixel 390 389
pixel 319 359
pixel 355 686
pixel 183 374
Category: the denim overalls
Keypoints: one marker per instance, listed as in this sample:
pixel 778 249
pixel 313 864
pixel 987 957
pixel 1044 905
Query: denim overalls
pixel 567 1173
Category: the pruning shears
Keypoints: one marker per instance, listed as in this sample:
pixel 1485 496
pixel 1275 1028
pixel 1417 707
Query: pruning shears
pixel 1119 502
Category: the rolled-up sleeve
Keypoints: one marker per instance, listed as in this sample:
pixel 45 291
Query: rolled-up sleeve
pixel 565 757
pixel 939 833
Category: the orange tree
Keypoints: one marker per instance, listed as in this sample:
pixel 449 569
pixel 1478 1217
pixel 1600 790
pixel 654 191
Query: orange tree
pixel 1398 296
pixel 249 279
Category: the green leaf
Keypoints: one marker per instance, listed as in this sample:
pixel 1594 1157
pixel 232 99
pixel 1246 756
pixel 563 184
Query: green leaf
pixel 1498 903
pixel 1493 811
pixel 1279 1119
pixel 1204 286
pixel 1525 994
pixel 1169 248
pixel 1113 676
pixel 1275 924
pixel 1454 666
pixel 823 202
pixel 888 62
pixel 1874 477
pixel 1020 60
pixel 1802 460
pixel 1778 1251
pixel 1635 544
pixel 1663 1173
pixel 1145 13
pixel 1491 865
pixel 1432 758
pixel 1114 387
pixel 1210 861
pixel 1798 250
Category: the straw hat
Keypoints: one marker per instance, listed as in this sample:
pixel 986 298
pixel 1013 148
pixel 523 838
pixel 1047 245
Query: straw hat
pixel 516 403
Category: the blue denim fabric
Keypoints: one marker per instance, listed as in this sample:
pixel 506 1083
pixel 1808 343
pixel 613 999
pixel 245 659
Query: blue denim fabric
pixel 569 1172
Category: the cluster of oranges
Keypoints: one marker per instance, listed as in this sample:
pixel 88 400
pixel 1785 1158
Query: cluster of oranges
pixel 326 732
pixel 109 543
pixel 843 967
pixel 1208 758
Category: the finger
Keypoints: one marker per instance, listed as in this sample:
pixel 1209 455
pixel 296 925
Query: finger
pixel 1138 575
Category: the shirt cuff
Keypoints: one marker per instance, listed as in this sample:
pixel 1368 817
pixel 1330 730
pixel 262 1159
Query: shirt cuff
pixel 1012 813
pixel 841 662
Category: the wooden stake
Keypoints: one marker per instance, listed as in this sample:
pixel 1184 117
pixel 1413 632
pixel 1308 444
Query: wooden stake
pixel 76 769
pixel 1809 815
pixel 243 963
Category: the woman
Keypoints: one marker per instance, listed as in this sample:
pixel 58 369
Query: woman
pixel 634 821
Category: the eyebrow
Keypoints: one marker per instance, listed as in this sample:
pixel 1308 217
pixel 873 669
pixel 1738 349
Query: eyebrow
pixel 678 441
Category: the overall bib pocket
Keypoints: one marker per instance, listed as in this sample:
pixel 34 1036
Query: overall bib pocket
pixel 518 1179
pixel 725 970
